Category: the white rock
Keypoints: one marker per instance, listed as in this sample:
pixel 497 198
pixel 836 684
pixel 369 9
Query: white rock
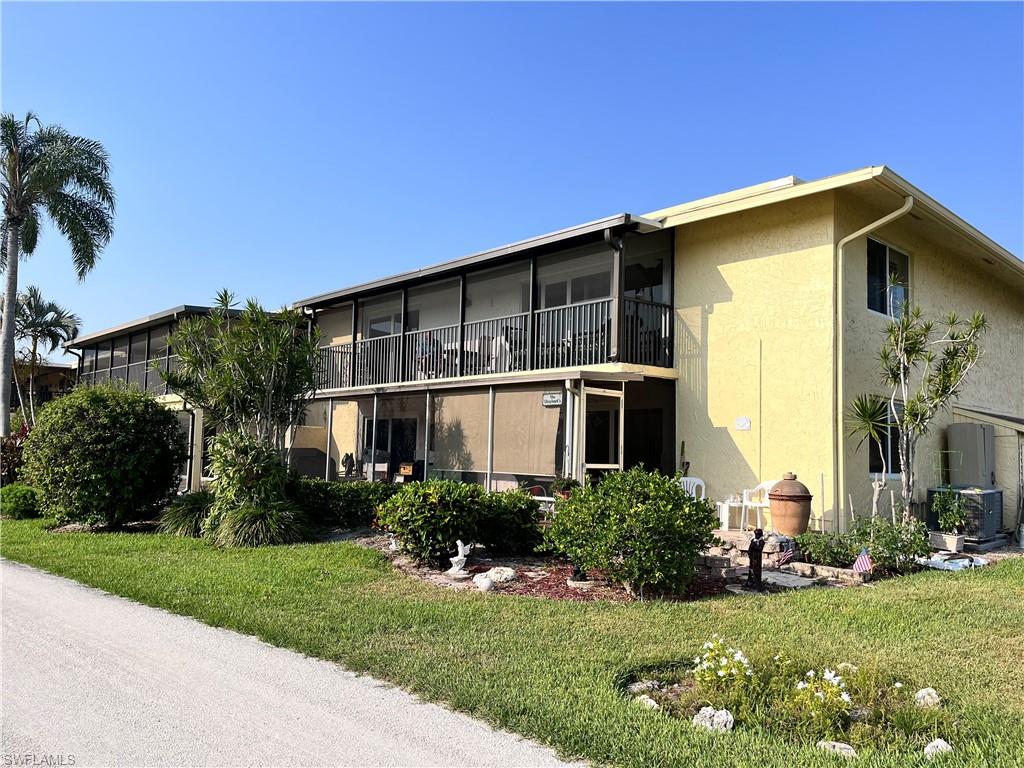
pixel 937 747
pixel 927 697
pixel 839 747
pixel 501 574
pixel 483 582
pixel 647 702
pixel 723 720
pixel 643 686
pixel 712 719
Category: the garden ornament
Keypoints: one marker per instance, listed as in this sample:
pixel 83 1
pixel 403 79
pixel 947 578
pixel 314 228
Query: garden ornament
pixel 755 552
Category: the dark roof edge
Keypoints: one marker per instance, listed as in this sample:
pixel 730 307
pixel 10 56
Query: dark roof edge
pixel 142 322
pixel 622 219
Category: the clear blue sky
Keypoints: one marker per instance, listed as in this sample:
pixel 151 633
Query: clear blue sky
pixel 285 150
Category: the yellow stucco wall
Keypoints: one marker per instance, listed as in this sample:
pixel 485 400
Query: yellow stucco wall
pixel 754 342
pixel 335 325
pixel 941 280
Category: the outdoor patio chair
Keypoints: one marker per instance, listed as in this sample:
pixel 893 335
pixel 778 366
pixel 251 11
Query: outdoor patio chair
pixel 691 484
pixel 755 499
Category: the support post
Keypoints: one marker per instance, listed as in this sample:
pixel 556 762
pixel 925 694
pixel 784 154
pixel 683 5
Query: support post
pixel 330 437
pixel 401 339
pixel 617 283
pixel 373 442
pixel 426 437
pixel 460 356
pixel 352 347
pixel 490 436
pixel 531 320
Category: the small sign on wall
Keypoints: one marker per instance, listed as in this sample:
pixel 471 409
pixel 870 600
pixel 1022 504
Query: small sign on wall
pixel 552 399
pixel 742 423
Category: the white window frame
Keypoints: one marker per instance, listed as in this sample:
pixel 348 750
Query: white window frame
pixel 888 315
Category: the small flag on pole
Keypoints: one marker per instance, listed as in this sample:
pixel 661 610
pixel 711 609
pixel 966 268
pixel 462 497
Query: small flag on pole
pixel 863 562
pixel 785 554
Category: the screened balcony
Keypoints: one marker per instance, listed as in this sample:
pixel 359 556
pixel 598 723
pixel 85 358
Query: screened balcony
pixel 575 307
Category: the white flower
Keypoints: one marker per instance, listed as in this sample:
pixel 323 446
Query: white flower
pixel 927 697
pixel 810 673
pixel 820 695
pixel 845 697
pixel 801 685
pixel 696 660
pixel 937 747
pixel 897 685
pixel 721 673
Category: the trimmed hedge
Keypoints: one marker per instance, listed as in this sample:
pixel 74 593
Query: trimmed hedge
pixel 19 501
pixel 509 523
pixel 429 517
pixel 336 504
pixel 104 455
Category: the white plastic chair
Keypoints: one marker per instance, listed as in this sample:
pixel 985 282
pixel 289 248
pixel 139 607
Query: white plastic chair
pixel 755 499
pixel 691 484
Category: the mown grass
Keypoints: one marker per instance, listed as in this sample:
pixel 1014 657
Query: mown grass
pixel 549 670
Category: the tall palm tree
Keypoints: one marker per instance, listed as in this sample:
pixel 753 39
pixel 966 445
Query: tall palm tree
pixel 47 171
pixel 45 325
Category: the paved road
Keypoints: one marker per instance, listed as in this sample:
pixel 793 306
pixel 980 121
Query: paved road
pixel 113 683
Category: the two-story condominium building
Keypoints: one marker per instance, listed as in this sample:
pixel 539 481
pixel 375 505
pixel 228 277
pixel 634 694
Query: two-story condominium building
pixel 730 333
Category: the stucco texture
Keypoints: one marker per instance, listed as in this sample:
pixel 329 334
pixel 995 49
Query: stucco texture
pixel 754 343
pixel 942 280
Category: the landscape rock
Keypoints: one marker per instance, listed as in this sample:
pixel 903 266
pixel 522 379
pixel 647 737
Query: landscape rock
pixel 643 686
pixel 937 747
pixel 647 702
pixel 839 747
pixel 715 720
pixel 927 697
pixel 483 582
pixel 500 574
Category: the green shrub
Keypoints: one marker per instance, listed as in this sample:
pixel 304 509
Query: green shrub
pixel 250 505
pixel 11 454
pixel 508 523
pixel 429 517
pixel 837 550
pixel 104 455
pixel 348 505
pixel 891 546
pixel 948 506
pixel 19 501
pixel 186 514
pixel 640 528
pixel 265 524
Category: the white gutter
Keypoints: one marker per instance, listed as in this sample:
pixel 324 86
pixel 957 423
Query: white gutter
pixel 839 479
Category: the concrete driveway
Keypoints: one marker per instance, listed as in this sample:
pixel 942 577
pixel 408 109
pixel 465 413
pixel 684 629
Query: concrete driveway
pixel 97 680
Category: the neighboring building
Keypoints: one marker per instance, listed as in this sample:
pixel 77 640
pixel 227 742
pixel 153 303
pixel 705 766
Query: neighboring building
pixel 51 380
pixel 731 333
pixel 135 353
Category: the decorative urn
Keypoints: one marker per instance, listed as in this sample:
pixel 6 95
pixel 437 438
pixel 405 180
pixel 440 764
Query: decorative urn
pixel 790 503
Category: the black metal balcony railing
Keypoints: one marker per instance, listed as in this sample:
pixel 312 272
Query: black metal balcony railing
pixel 572 335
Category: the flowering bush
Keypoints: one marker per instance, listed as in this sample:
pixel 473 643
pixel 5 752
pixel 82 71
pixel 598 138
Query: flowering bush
pixel 823 698
pixel 720 666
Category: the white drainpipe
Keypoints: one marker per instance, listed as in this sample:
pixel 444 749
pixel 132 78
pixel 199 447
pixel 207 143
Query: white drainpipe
pixel 839 481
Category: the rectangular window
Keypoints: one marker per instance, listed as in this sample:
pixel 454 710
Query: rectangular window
pixel 888 279
pixel 890 445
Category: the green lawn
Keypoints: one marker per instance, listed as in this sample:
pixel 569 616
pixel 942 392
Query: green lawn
pixel 548 670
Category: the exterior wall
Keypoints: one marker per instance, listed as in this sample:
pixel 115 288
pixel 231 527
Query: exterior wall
pixel 335 325
pixel 754 342
pixel 196 448
pixel 941 281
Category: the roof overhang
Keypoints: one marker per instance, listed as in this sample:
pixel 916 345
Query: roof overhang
pixel 1001 419
pixel 167 315
pixel 563 238
pixel 877 183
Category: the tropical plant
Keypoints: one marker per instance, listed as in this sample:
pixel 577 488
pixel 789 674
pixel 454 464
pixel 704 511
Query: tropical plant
pixel 250 504
pixel 925 365
pixel 19 501
pixel 12 454
pixel 254 371
pixel 45 325
pixel 868 419
pixel 47 172
pixel 640 528
pixel 186 514
pixel 104 455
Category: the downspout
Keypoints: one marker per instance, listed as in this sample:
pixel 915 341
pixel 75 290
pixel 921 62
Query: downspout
pixel 839 479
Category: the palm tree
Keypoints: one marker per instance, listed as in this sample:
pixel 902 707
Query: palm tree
pixel 47 171
pixel 868 418
pixel 43 324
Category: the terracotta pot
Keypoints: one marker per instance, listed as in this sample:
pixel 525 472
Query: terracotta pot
pixel 790 503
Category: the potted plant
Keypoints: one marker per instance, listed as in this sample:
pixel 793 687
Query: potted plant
pixel 561 487
pixel 948 506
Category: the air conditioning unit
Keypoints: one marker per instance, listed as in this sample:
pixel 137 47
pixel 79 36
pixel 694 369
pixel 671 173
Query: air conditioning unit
pixel 972 460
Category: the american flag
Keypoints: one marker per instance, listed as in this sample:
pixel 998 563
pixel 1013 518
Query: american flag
pixel 786 553
pixel 863 562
